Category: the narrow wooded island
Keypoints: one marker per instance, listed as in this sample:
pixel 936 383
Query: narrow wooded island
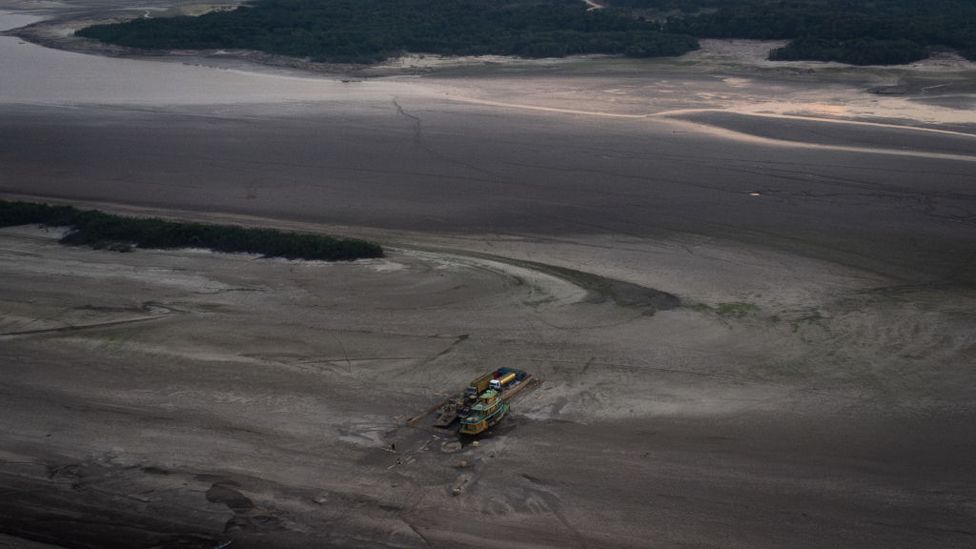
pixel 859 32
pixel 105 231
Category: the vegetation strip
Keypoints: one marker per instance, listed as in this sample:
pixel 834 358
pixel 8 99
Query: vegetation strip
pixel 368 31
pixel 105 231
pixel 860 32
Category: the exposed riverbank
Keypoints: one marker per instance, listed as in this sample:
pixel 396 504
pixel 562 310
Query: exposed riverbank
pixel 749 293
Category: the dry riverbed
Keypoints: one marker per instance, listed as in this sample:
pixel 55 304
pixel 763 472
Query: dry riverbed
pixel 187 399
pixel 746 286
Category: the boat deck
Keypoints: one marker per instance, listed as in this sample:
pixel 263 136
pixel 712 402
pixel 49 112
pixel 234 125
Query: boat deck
pixel 432 419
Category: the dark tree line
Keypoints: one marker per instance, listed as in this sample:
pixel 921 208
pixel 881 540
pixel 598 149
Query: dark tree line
pixel 862 51
pixel 101 230
pixel 852 31
pixel 366 31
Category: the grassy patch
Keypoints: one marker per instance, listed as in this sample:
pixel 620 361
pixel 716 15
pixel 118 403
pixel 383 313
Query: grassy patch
pixel 101 230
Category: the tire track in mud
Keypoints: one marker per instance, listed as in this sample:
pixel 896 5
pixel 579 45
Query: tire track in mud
pixel 418 141
pixel 164 312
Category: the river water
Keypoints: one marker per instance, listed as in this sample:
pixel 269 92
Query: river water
pixel 31 74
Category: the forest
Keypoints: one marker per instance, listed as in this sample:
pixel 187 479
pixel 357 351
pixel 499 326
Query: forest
pixel 105 231
pixel 859 32
pixel 368 31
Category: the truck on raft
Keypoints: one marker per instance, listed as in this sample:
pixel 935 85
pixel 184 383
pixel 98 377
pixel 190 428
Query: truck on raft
pixel 484 403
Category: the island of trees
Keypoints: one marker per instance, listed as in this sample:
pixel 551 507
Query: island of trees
pixel 105 231
pixel 365 31
pixel 859 32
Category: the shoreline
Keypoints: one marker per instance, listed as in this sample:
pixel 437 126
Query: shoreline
pixel 729 56
pixel 933 94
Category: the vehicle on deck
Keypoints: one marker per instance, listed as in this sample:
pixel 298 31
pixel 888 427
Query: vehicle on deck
pixel 503 384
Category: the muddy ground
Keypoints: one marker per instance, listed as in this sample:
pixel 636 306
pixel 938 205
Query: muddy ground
pixel 748 288
pixel 188 399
